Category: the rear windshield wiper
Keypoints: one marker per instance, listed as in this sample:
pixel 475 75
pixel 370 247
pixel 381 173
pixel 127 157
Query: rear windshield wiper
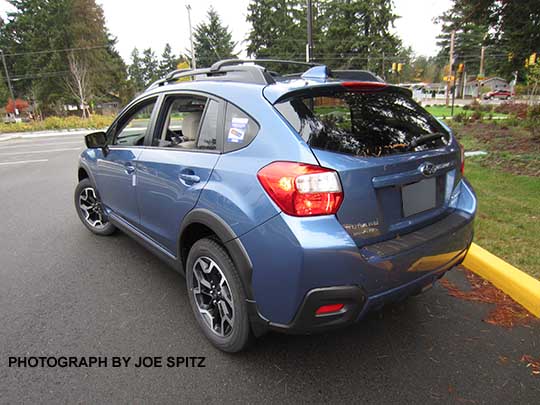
pixel 422 139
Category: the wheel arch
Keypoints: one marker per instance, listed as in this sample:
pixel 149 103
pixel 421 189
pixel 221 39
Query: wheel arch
pixel 84 172
pixel 200 223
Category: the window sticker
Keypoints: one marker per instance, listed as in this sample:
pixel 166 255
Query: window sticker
pixel 237 130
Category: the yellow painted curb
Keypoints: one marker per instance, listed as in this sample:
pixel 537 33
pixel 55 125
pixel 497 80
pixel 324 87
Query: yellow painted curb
pixel 523 288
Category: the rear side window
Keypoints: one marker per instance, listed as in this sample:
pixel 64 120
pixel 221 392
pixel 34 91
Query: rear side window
pixel 240 129
pixel 208 133
pixel 372 123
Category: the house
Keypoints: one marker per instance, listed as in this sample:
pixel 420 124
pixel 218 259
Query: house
pixel 426 91
pixel 475 88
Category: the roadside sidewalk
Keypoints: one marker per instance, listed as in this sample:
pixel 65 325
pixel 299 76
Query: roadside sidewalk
pixel 44 134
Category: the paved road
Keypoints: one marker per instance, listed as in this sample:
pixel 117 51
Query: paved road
pixel 66 292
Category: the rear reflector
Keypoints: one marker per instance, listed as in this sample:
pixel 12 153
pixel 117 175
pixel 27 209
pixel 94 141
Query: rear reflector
pixel 301 189
pixel 329 309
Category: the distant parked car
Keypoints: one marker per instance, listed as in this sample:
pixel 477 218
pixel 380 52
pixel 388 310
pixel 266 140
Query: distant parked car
pixel 294 203
pixel 498 94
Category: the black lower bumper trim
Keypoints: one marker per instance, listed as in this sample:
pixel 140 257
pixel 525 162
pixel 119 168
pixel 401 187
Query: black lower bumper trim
pixel 307 322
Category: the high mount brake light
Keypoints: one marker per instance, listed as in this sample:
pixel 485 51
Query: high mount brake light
pixel 301 189
pixel 364 85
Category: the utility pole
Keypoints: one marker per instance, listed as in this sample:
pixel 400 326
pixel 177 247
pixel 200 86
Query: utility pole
pixel 309 46
pixel 9 81
pixel 193 59
pixel 450 65
pixel 482 55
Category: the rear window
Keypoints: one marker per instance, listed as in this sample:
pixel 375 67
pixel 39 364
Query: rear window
pixel 363 123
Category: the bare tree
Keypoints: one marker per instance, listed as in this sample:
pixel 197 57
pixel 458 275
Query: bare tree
pixel 78 81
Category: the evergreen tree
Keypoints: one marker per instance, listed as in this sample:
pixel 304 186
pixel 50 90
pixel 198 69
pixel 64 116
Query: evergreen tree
pixel 168 61
pixel 357 33
pixel 212 40
pixel 40 31
pixel 4 91
pixel 346 33
pixel 87 30
pixel 468 41
pixel 513 29
pixel 278 29
pixel 135 71
pixel 150 67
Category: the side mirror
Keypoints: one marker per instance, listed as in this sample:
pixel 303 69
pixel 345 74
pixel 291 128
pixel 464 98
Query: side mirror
pixel 97 140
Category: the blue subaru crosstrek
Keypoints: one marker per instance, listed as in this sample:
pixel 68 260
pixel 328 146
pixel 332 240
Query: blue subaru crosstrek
pixel 292 202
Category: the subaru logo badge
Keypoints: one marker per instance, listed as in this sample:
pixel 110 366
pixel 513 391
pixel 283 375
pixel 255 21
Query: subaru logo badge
pixel 427 169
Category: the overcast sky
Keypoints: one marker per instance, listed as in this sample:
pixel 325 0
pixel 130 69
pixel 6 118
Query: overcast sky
pixel 152 23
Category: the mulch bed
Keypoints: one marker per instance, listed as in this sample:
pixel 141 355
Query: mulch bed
pixel 499 139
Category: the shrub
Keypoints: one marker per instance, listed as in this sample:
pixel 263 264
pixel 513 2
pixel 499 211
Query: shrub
pixel 476 115
pixel 518 110
pixel 460 117
pixel 18 104
pixel 474 105
pixel 58 123
pixel 533 120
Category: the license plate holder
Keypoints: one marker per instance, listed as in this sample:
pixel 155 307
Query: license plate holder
pixel 419 197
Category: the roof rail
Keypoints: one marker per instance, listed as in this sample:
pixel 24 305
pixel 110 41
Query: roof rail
pixel 231 62
pixel 237 73
pixel 238 70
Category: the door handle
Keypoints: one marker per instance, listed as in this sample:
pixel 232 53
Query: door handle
pixel 189 179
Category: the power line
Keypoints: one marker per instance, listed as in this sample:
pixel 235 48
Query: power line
pixel 58 73
pixel 56 50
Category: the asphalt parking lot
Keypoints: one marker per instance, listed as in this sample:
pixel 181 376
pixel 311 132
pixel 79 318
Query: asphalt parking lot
pixel 64 291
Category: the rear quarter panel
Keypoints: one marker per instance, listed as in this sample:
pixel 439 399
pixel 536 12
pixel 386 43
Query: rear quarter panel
pixel 233 191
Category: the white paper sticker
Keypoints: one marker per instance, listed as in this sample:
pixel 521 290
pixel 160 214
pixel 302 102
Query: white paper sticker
pixel 238 130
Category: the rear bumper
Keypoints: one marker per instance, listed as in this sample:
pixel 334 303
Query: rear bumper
pixel 357 304
pixel 300 262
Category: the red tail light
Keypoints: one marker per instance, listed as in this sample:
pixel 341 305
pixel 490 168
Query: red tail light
pixel 462 151
pixel 329 309
pixel 301 189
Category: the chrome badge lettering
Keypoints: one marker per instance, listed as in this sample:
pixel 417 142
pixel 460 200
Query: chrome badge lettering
pixel 362 229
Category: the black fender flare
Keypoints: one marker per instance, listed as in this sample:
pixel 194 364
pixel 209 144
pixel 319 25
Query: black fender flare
pixel 229 239
pixel 86 168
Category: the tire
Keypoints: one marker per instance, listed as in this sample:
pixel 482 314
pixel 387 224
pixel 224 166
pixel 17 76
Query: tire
pixel 88 206
pixel 208 263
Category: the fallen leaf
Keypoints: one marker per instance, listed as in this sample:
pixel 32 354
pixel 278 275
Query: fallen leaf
pixel 532 363
pixel 506 313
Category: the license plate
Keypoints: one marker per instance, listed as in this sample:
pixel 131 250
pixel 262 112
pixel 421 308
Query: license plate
pixel 419 197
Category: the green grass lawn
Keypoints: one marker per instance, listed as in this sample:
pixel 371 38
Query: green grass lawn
pixel 444 111
pixel 508 220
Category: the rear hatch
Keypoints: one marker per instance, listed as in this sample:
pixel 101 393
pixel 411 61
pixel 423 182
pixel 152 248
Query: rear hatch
pixel 398 165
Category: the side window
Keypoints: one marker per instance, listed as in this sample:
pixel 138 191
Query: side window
pixel 132 129
pixel 240 129
pixel 183 126
pixel 209 128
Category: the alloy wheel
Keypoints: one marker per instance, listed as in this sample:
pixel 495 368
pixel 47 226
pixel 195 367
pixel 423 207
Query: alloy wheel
pixel 91 208
pixel 213 296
